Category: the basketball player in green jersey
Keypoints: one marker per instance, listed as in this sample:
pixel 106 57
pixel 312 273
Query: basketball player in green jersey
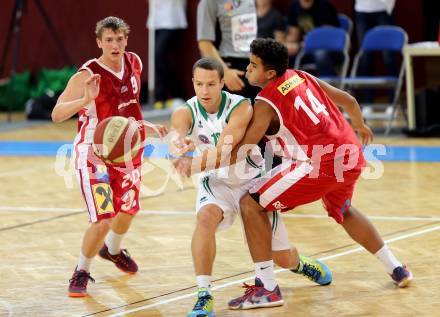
pixel 209 120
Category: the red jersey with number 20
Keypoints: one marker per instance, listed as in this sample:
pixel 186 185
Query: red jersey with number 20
pixel 311 125
pixel 118 96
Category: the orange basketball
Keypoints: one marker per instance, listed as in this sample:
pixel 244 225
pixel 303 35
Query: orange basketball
pixel 117 140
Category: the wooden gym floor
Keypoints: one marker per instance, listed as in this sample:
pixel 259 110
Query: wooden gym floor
pixel 43 220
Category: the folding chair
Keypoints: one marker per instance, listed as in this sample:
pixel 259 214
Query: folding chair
pixel 345 23
pixel 380 39
pixel 328 39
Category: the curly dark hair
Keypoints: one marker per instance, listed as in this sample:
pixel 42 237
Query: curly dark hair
pixel 273 54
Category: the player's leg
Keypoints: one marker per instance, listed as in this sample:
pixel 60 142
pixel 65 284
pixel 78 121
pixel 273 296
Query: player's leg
pixel 213 213
pixel 361 230
pixel 203 248
pixel 93 239
pixel 98 196
pixel 265 292
pixel 126 184
pixel 283 253
pixel 120 225
pixel 288 257
pixel 275 191
pixel 203 245
pixel 112 251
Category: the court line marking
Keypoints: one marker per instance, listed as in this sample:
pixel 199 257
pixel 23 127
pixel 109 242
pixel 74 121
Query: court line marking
pixel 39 209
pixel 329 257
pixel 192 213
pixel 26 224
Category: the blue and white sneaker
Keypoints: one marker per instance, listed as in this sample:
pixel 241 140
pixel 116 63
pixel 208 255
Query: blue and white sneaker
pixel 314 270
pixel 204 306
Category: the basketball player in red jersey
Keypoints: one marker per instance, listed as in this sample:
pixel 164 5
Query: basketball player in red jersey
pixel 104 87
pixel 322 159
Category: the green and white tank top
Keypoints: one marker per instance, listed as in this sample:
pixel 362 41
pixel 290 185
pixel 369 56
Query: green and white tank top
pixel 206 129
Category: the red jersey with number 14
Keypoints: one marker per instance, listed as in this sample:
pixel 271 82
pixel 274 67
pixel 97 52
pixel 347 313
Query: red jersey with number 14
pixel 118 96
pixel 311 125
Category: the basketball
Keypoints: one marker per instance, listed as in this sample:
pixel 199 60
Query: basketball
pixel 117 140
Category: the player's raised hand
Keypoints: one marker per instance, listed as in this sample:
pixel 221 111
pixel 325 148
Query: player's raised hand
pixel 91 89
pixel 365 133
pixel 232 79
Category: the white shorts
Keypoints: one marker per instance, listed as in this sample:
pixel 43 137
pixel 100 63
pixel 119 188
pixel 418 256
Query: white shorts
pixel 214 191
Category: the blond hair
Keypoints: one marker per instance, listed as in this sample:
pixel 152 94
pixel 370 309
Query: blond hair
pixel 113 23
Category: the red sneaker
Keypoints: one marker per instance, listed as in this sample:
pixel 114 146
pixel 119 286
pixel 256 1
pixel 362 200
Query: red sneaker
pixel 78 283
pixel 122 260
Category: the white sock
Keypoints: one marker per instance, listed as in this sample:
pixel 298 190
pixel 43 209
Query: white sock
pixel 84 262
pixel 204 281
pixel 388 259
pixel 113 242
pixel 264 271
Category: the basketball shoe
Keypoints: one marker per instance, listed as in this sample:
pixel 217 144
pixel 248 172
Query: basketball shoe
pixel 256 296
pixel 122 260
pixel 204 306
pixel 314 270
pixel 402 276
pixel 78 283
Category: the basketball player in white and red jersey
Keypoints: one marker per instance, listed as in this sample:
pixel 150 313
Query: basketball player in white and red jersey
pixel 104 87
pixel 322 159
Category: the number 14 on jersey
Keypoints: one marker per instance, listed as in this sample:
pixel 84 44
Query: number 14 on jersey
pixel 317 106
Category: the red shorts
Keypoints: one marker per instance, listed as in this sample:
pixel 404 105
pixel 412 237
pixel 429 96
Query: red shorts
pixel 108 190
pixel 293 184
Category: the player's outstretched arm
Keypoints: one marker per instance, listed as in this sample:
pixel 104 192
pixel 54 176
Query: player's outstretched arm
pixel 262 117
pixel 351 106
pixel 150 127
pixel 181 123
pixel 230 137
pixel 81 89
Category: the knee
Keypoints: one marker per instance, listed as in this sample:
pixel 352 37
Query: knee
pixel 102 227
pixel 123 218
pixel 349 213
pixel 208 219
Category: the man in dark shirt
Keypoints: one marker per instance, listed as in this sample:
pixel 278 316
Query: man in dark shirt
pixel 303 16
pixel 271 23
